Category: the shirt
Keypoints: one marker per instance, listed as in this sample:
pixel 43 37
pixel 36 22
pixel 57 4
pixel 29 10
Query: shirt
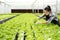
pixel 49 17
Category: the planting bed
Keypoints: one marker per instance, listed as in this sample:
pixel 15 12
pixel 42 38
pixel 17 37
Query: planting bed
pixel 6 17
pixel 23 27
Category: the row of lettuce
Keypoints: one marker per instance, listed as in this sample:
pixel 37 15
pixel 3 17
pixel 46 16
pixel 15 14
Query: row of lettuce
pixel 27 30
pixel 5 16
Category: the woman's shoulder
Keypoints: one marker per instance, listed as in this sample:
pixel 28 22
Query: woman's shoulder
pixel 52 14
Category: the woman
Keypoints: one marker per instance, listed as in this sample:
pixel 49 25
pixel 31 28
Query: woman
pixel 50 17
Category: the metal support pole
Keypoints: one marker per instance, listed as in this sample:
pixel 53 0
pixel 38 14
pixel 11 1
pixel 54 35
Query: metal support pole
pixel 33 10
pixel 56 5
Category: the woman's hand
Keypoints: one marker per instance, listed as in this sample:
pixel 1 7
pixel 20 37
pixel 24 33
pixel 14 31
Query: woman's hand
pixel 40 22
pixel 38 18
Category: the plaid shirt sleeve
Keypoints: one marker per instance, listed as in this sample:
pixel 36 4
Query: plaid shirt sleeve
pixel 51 18
pixel 41 16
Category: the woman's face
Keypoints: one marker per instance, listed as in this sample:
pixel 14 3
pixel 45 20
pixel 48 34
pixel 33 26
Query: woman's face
pixel 46 12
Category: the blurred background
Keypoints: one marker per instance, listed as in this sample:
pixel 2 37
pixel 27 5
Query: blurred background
pixel 28 6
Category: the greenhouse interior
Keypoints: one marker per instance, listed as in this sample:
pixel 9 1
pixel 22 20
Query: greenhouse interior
pixel 29 19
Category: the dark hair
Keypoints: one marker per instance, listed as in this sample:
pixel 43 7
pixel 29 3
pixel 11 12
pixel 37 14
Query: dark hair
pixel 48 8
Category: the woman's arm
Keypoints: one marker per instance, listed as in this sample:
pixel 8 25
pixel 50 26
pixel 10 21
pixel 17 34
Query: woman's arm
pixel 51 18
pixel 41 16
pixel 48 21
